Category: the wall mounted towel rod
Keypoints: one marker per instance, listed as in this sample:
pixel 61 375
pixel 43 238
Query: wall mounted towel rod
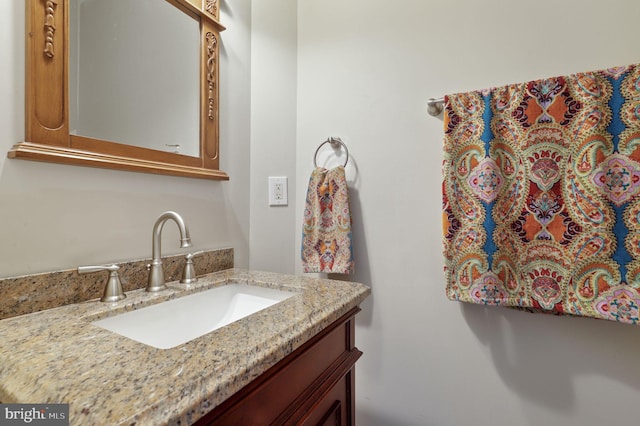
pixel 435 106
pixel 335 143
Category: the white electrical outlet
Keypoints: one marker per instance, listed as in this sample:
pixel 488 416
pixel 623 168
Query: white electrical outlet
pixel 278 191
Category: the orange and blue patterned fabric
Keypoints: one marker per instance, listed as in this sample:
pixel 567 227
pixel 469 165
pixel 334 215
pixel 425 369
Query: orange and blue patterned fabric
pixel 541 195
pixel 326 229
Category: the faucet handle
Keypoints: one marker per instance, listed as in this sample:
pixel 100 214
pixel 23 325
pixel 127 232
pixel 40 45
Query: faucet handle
pixel 189 272
pixel 113 289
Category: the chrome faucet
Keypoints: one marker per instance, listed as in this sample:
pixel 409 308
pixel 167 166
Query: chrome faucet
pixel 156 272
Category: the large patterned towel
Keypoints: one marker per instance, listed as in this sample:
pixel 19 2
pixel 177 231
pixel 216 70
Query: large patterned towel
pixel 326 231
pixel 541 195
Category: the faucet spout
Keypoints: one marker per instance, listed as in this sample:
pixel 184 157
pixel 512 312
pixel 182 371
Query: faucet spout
pixel 156 272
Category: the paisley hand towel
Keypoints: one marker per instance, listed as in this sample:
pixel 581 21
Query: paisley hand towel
pixel 326 231
pixel 541 195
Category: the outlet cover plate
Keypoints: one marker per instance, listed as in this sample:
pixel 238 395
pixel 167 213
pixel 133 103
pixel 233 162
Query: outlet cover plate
pixel 278 191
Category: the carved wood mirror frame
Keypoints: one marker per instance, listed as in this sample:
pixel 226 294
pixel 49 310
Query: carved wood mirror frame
pixel 47 135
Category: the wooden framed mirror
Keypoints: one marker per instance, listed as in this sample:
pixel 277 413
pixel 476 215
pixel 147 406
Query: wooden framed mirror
pixel 48 134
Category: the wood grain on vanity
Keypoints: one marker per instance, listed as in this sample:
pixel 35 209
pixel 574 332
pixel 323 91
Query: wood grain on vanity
pixel 314 385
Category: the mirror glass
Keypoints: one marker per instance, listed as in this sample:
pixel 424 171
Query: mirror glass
pixel 134 74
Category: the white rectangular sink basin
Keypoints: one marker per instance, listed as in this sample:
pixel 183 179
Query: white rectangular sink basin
pixel 174 322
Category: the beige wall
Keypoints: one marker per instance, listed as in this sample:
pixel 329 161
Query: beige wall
pixel 273 132
pixel 56 217
pixel 365 71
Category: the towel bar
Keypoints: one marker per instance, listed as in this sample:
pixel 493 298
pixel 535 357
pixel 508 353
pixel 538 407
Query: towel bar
pixel 335 142
pixel 435 106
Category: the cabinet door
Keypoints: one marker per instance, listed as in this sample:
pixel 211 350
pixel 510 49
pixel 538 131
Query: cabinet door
pixel 303 386
pixel 336 408
pixel 334 416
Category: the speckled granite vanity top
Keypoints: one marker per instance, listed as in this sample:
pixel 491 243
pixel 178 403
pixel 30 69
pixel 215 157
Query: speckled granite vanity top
pixel 57 355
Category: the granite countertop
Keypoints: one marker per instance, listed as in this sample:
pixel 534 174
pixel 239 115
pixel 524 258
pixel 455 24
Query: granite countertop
pixel 58 356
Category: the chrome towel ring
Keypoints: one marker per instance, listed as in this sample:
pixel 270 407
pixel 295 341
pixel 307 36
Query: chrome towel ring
pixel 335 143
pixel 435 106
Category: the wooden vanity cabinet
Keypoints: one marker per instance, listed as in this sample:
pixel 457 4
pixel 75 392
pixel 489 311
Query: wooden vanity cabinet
pixel 314 385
